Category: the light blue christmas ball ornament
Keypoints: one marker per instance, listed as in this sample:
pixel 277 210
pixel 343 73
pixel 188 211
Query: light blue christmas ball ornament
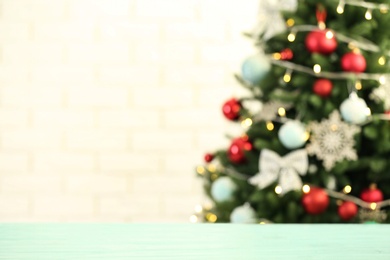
pixel 244 214
pixel 293 134
pixel 254 68
pixel 354 109
pixel 222 189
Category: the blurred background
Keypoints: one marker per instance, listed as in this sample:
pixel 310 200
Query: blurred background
pixel 107 106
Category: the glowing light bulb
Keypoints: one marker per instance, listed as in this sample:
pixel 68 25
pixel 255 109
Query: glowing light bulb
pixel 382 80
pixel 211 217
pixel 198 208
pixel 358 85
pixel 329 34
pixel 317 68
pixel 270 126
pixel 382 60
pixel 193 219
pixel 306 188
pixel 287 77
pixel 281 111
pixel 246 122
pixel 278 190
pixel 291 37
pixel 347 189
pixel 368 14
pixel 383 9
pixel 211 168
pixel 340 7
pixel 290 22
pixel 277 56
pixel 373 206
pixel 200 170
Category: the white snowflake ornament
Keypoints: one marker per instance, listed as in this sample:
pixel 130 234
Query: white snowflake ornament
pixel 332 140
pixel 382 94
pixel 270 21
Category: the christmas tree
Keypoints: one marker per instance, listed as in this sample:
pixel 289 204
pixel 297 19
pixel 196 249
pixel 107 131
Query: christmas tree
pixel 318 150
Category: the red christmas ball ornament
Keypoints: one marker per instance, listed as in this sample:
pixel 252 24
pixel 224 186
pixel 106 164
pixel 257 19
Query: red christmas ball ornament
pixel 208 157
pixel 311 41
pixel 372 194
pixel 286 54
pixel 353 62
pixel 231 109
pixel 327 42
pixel 236 151
pixel 321 41
pixel 347 210
pixel 315 201
pixel 323 87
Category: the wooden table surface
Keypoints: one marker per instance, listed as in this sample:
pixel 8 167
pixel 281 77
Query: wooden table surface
pixel 193 241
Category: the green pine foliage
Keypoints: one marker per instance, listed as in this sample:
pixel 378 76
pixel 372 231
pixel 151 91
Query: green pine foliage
pixel 372 143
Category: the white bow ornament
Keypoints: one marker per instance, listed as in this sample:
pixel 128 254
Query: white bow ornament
pixel 285 169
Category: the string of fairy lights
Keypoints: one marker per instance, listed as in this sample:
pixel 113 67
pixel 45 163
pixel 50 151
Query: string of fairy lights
pixel 353 44
pixel 383 8
pixel 342 196
pixel 315 71
pixel 363 44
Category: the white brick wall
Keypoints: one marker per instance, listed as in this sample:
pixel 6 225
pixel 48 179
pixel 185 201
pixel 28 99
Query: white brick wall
pixel 106 107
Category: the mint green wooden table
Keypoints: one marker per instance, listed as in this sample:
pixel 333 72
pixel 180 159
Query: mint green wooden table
pixel 193 241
